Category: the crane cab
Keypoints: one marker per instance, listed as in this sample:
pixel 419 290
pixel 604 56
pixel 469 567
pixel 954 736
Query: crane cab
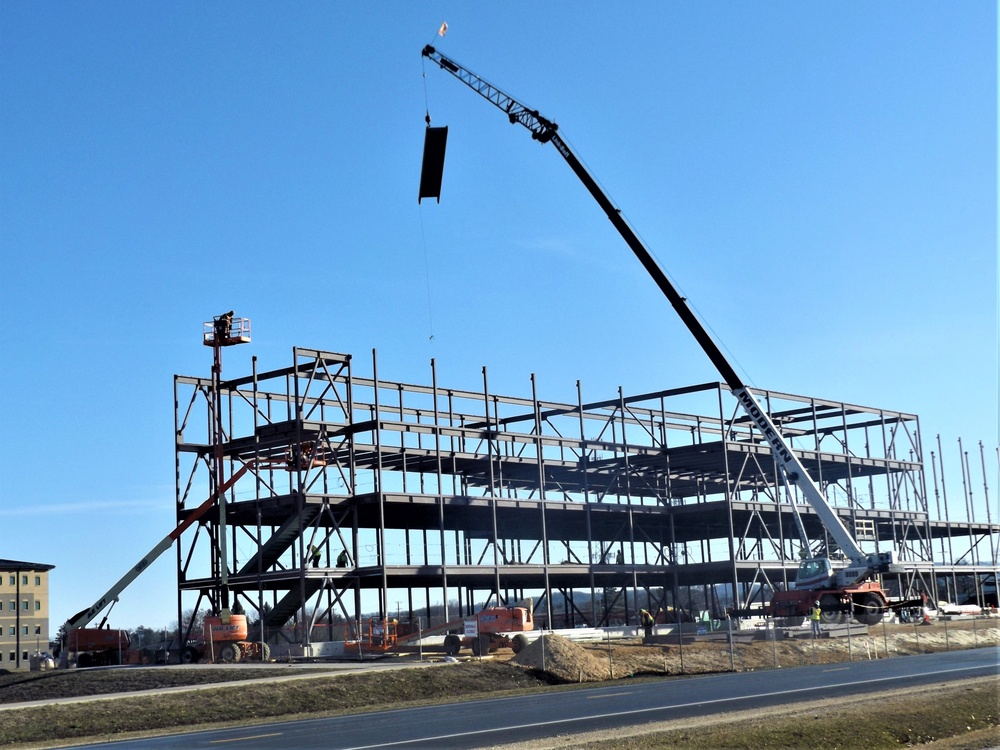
pixel 814 573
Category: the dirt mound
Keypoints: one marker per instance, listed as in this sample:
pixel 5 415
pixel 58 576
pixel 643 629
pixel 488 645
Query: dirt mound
pixel 563 659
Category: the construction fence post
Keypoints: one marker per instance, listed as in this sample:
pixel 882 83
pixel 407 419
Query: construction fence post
pixel 732 646
pixel 680 640
pixel 772 628
pixel 850 648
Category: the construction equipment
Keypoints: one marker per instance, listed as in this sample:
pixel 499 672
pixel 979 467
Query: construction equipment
pixel 838 590
pixel 495 628
pixel 96 647
pixel 85 616
pixel 225 639
pixel 228 629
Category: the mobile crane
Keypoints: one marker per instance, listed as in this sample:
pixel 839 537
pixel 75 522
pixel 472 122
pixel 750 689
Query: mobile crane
pixel 839 591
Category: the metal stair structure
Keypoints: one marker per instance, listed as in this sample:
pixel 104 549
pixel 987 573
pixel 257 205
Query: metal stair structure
pixel 279 542
pixel 290 603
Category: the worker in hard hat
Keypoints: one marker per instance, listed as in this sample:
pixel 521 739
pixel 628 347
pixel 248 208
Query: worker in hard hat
pixel 647 621
pixel 223 326
pixel 815 614
pixel 314 555
pixel 343 559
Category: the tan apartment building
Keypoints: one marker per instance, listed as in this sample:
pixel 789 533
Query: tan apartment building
pixel 24 611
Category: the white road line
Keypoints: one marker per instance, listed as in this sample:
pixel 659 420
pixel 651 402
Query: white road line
pixel 251 737
pixel 607 695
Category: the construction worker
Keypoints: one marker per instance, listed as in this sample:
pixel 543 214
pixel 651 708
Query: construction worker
pixel 314 555
pixel 343 559
pixel 647 621
pixel 223 326
pixel 815 614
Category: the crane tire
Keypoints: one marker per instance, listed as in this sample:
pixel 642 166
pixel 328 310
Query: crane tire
pixel 869 609
pixel 830 610
pixel 517 643
pixel 452 644
pixel 189 655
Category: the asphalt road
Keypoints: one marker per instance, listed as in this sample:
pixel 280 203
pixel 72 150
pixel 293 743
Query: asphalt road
pixel 490 722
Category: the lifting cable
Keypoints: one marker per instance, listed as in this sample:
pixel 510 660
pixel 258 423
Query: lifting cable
pixel 427 278
pixel 423 234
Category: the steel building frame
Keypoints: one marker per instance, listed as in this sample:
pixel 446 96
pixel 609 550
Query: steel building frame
pixel 448 498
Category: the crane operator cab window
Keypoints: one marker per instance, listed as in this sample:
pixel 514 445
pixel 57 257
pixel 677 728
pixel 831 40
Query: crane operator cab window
pixel 813 572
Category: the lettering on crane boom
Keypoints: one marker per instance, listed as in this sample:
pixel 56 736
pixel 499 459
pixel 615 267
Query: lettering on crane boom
pixel 560 146
pixel 92 612
pixel 777 445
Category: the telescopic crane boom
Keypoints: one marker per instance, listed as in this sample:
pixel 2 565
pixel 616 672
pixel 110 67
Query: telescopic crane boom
pixel 83 617
pixel 543 130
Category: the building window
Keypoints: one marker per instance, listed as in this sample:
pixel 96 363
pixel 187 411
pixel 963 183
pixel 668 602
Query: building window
pixel 24 604
pixel 24 580
pixel 38 605
pixel 13 580
pixel 38 580
pixel 24 630
pixel 13 656
pixel 24 656
pixel 13 605
pixel 12 630
pixel 38 629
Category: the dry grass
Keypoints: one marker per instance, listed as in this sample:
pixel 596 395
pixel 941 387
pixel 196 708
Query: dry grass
pixel 17 687
pixel 352 693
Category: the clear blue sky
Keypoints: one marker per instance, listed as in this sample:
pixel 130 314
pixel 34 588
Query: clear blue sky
pixel 819 178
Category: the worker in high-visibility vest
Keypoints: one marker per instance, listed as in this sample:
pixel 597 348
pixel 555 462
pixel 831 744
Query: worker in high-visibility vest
pixel 343 559
pixel 647 622
pixel 815 614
